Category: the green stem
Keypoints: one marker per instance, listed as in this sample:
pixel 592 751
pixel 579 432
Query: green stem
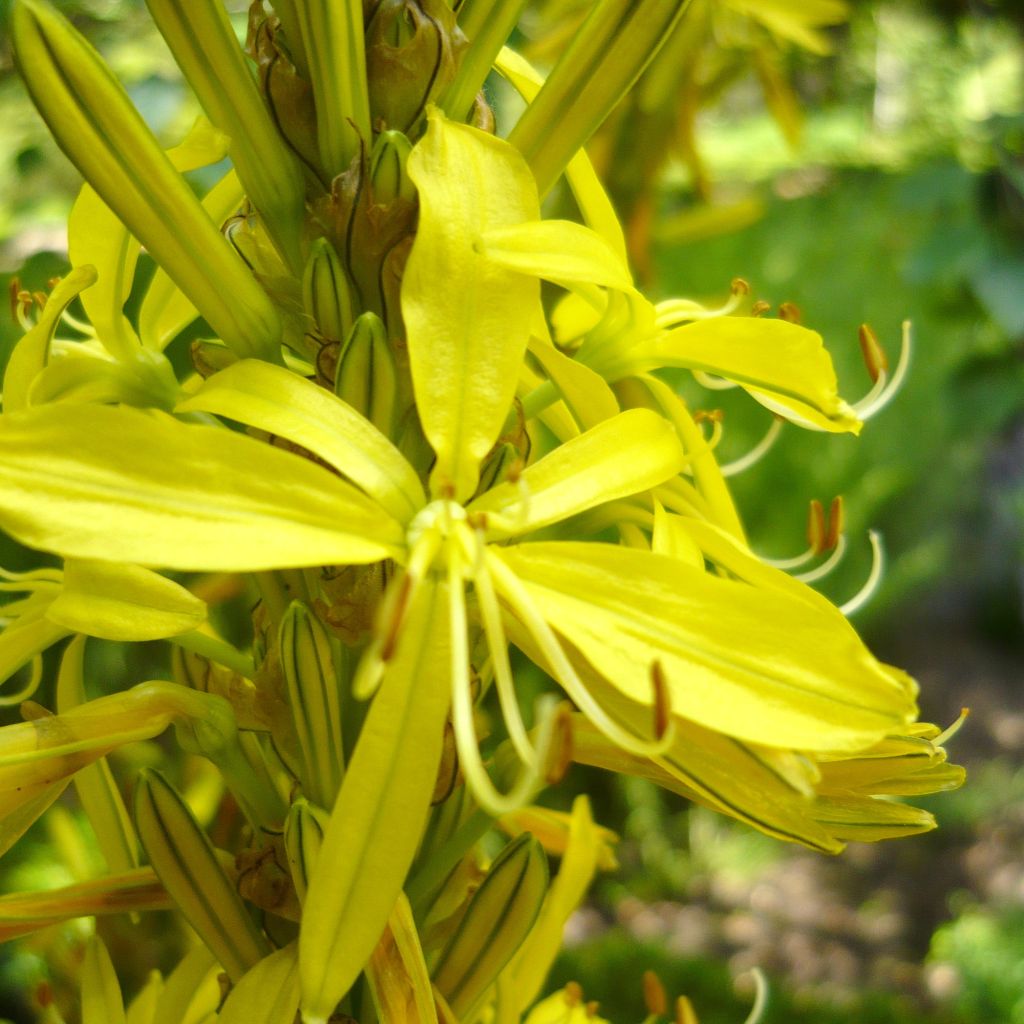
pixel 540 398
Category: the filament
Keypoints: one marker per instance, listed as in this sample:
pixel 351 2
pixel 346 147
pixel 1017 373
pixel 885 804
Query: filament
pixel 35 677
pixel 813 575
pixel 867 591
pixel 522 604
pixel 757 453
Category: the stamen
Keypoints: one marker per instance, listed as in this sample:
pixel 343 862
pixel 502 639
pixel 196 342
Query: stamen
pixel 13 292
pixel 756 1014
pixel 560 757
pixel 673 312
pixel 513 591
pixel 813 575
pixel 871 584
pixel 715 418
pixel 32 576
pixel 760 307
pixel 23 309
pixel 479 782
pixel 816 533
pixel 490 613
pixel 573 993
pixel 874 355
pixel 757 453
pixel 885 387
pixel 790 312
pixel 946 735
pixel 836 523
pixel 662 700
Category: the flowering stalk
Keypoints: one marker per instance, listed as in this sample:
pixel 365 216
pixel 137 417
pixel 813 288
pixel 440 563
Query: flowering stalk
pixel 428 466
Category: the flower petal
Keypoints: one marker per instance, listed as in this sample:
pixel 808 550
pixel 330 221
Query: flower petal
pixel 468 319
pixel 92 482
pixel 774 670
pixel 630 452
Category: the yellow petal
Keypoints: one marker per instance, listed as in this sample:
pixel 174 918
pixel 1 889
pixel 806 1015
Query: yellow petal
pixel 468 319
pixel 630 452
pixel 375 826
pixel 123 602
pixel 280 402
pixel 181 497
pixel 766 668
pixel 101 993
pixel 783 365
pixel 586 394
pixel 268 993
pixel 397 973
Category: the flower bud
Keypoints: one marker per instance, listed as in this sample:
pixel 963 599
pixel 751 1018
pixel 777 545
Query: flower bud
pixel 367 376
pixel 326 292
pixel 388 177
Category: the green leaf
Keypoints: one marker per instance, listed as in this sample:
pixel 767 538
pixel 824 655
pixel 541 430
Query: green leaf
pixel 96 482
pixel 375 826
pixel 32 351
pixel 268 993
pixel 631 452
pixel 280 402
pixel 468 320
pixel 758 666
pixel 123 602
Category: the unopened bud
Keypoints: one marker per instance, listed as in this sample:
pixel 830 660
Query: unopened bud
pixel 209 357
pixel 871 349
pixel 503 463
pixel 367 375
pixel 303 836
pixel 326 292
pixel 388 178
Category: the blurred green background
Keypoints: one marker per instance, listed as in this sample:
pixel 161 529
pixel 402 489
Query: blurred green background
pixel 904 199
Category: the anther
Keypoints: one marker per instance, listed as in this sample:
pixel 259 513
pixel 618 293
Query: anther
pixel 654 995
pixel 39 298
pixel 592 1007
pixel 573 993
pixel 790 312
pixel 760 307
pixel 685 1013
pixel 816 529
pixel 14 291
pixel 387 650
pixel 739 286
pixel 871 349
pixel 560 755
pixel 662 701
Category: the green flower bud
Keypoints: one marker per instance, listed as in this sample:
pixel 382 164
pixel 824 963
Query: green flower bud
pixel 303 837
pixel 326 292
pixel 367 375
pixel 388 177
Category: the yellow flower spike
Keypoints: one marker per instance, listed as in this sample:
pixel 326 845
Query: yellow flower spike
pixel 203 42
pixel 332 41
pixel 185 497
pixel 268 993
pixel 473 328
pixel 495 924
pixel 187 866
pixel 604 59
pixel 32 352
pixel 95 123
pixel 310 676
pixel 97 789
pixel 376 822
pixel 102 1002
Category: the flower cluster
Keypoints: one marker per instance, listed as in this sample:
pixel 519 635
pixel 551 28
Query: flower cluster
pixel 427 426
